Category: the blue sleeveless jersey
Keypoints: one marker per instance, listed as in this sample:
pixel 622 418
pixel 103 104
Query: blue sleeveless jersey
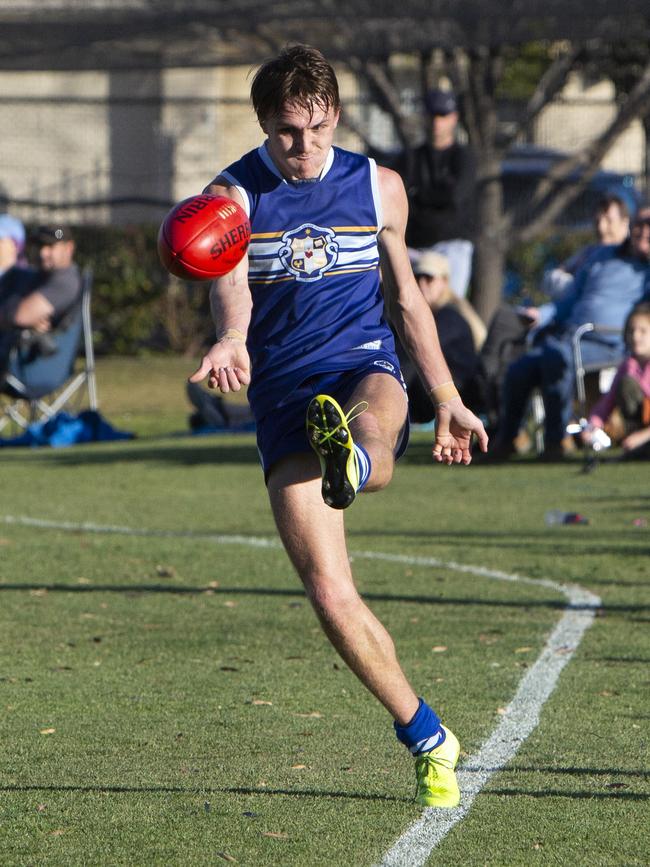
pixel 313 272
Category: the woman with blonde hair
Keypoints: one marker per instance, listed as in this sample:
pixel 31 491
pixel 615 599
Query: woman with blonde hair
pixel 460 331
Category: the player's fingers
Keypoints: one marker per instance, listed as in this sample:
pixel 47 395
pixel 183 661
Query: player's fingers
pixel 202 371
pixel 482 438
pixel 221 380
pixel 436 451
pixel 232 378
pixel 243 375
pixel 442 453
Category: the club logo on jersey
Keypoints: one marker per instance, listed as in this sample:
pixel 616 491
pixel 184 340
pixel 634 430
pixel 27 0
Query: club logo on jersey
pixel 308 251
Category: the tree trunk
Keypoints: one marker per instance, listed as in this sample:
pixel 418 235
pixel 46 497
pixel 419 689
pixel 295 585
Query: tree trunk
pixel 491 246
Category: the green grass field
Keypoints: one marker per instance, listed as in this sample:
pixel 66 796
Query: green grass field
pixel 168 698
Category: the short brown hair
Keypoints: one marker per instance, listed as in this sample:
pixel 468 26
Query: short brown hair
pixel 299 75
pixel 609 199
pixel 642 308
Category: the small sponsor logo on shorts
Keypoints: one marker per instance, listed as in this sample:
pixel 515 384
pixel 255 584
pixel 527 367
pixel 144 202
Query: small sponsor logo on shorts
pixel 380 362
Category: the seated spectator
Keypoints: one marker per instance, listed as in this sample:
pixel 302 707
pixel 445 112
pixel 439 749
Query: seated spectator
pixel 506 340
pixel 34 301
pixel 12 246
pixel 15 278
pixel 212 412
pixel 433 273
pixel 612 224
pixel 457 340
pixel 624 412
pixel 603 292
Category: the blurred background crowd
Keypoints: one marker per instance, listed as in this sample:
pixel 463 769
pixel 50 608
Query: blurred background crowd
pixel 524 147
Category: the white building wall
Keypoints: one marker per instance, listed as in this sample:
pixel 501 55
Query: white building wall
pixel 70 138
pixel 583 111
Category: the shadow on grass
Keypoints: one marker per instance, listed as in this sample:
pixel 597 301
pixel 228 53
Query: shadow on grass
pixel 188 453
pixel 218 790
pixel 597 772
pixel 176 589
pixel 614 795
pixel 562 540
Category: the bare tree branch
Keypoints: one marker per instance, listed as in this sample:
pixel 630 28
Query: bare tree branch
pixel 556 189
pixel 550 84
pixel 388 97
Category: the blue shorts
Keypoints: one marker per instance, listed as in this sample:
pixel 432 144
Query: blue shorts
pixel 282 431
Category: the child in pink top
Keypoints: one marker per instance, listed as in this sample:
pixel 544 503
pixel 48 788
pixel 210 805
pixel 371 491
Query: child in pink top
pixel 625 410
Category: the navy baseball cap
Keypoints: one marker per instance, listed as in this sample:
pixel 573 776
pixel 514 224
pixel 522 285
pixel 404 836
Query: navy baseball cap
pixel 440 102
pixel 51 234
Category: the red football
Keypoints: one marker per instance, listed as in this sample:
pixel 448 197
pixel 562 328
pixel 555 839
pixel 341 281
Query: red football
pixel 203 237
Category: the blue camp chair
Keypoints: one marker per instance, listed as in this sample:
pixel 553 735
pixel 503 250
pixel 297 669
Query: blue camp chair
pixel 39 386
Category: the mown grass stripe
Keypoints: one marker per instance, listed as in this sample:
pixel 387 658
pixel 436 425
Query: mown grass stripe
pixel 521 716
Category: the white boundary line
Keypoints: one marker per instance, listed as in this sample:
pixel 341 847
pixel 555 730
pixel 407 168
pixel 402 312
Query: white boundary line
pixel 521 716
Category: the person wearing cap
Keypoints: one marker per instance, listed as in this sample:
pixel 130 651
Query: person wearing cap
pixel 457 338
pixel 440 178
pixel 35 301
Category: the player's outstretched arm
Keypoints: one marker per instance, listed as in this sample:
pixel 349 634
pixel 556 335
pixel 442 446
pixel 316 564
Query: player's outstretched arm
pixel 227 364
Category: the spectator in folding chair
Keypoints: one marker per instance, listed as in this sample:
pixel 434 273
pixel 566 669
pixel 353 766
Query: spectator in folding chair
pixel 612 216
pixel 511 328
pixel 603 292
pixel 35 302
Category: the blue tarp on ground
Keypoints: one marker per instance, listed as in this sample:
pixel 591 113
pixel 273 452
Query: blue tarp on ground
pixel 67 430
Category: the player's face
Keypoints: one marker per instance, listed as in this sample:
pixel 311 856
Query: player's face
pixel 299 140
pixel 638 336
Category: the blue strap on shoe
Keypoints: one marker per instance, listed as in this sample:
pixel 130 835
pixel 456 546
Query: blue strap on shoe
pixel 423 733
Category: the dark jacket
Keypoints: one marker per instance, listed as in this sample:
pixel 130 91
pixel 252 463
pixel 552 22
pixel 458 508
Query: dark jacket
pixel 457 345
pixel 441 186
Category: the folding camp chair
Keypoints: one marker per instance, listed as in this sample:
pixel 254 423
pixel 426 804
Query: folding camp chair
pixel 601 374
pixel 38 386
pixel 591 380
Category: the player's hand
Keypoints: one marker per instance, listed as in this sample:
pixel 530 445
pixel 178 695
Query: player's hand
pixel 227 366
pixel 455 426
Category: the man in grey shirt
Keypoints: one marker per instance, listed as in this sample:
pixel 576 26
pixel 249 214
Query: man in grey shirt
pixel 35 301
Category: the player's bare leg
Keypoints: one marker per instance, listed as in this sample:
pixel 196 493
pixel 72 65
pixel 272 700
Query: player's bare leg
pixel 313 535
pixel 380 426
pixel 356 444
